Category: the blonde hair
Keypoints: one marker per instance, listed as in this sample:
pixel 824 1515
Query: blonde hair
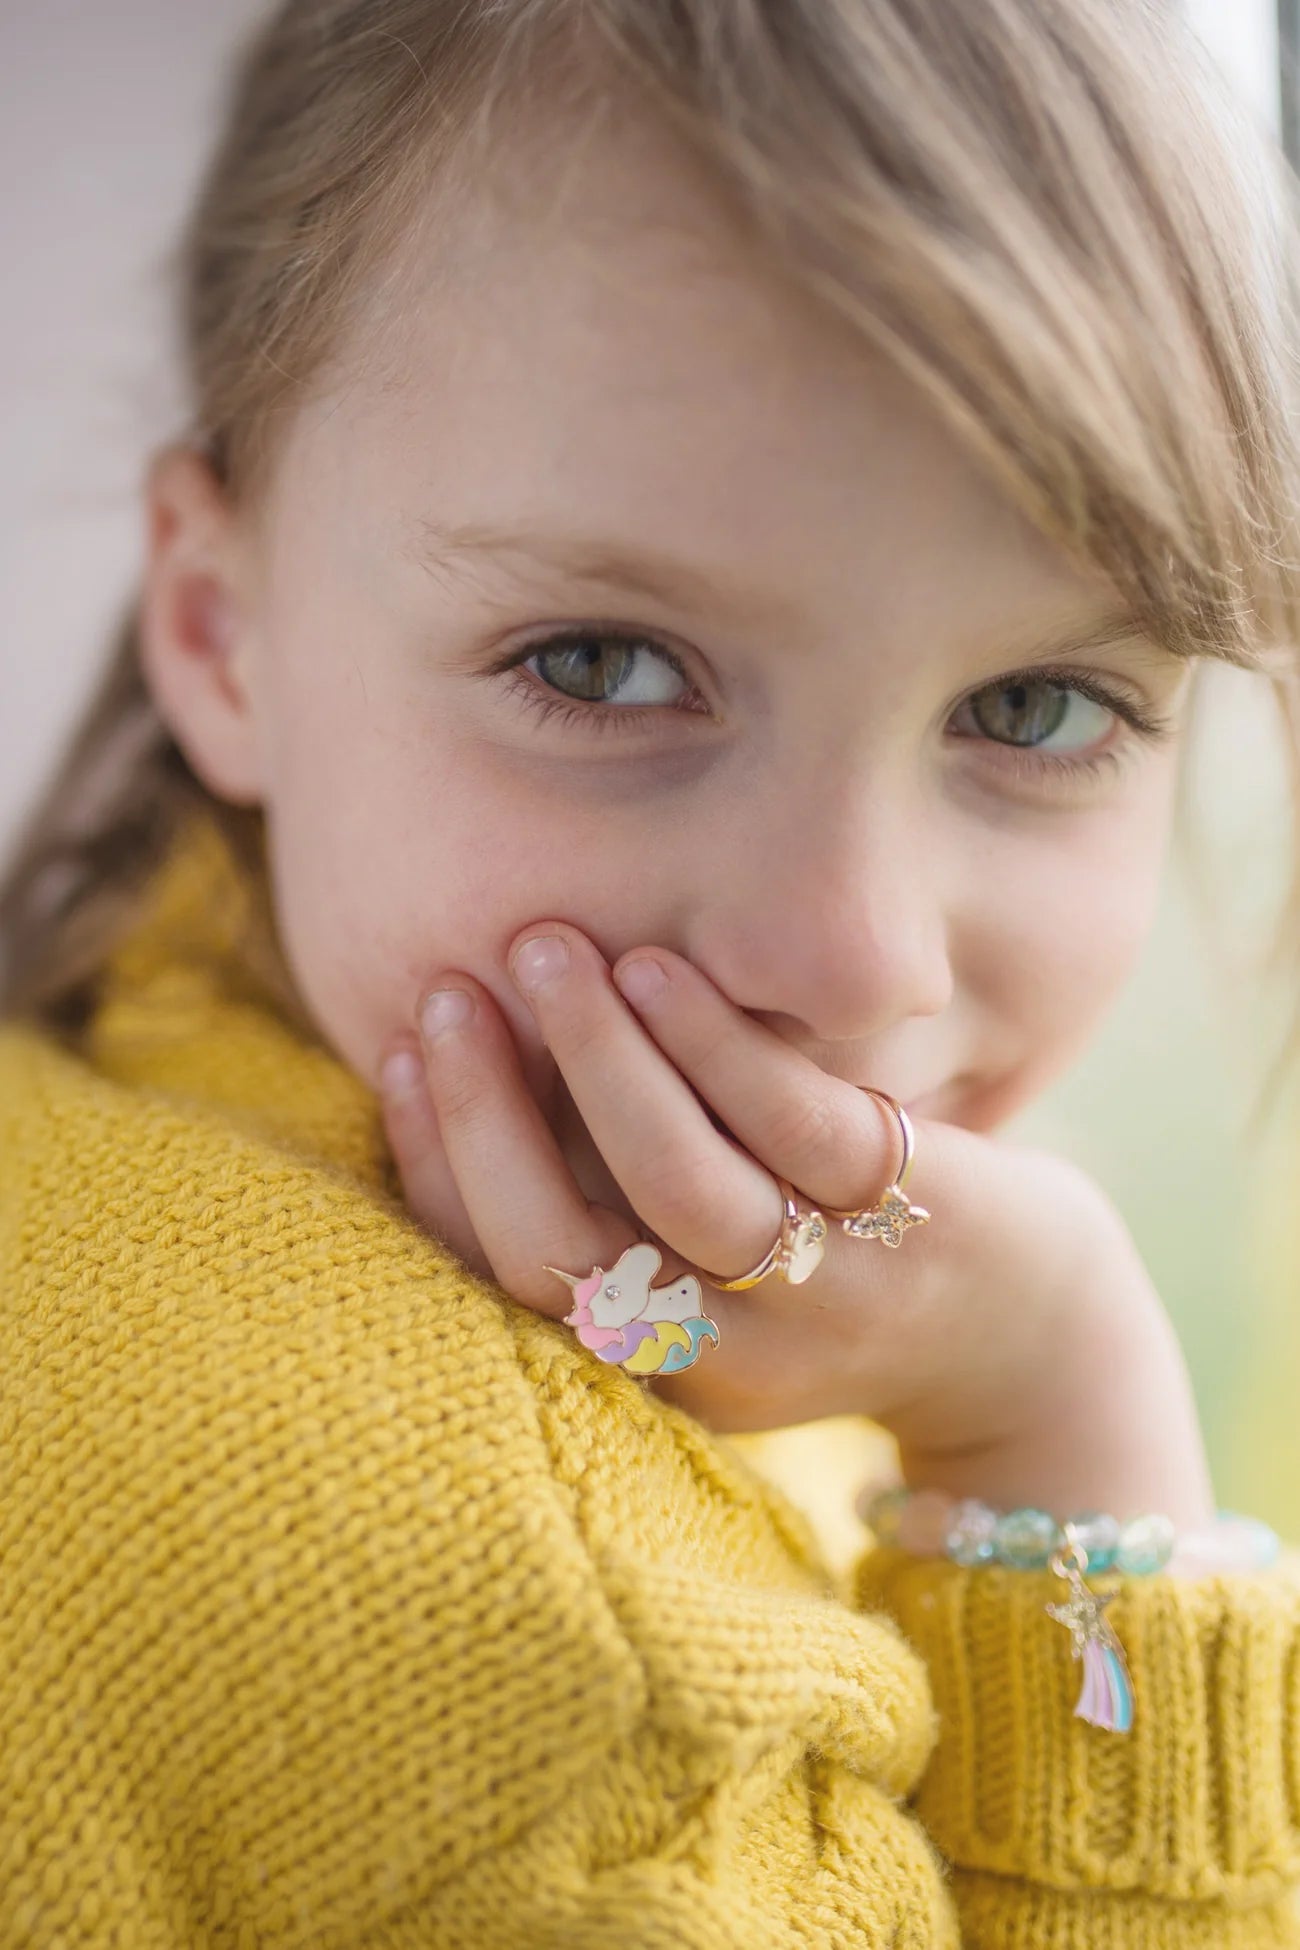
pixel 1034 207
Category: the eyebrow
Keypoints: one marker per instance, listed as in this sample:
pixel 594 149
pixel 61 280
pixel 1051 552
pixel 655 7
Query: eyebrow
pixel 638 571
pixel 673 581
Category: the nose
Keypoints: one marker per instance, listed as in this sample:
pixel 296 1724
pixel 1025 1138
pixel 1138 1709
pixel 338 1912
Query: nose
pixel 834 914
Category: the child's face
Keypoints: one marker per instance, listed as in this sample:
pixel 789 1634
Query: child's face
pixel 607 419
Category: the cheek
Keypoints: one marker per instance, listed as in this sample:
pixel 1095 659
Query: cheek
pixel 401 851
pixel 1060 932
pixel 380 896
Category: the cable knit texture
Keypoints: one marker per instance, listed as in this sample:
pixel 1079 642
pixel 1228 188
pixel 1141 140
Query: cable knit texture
pixel 343 1602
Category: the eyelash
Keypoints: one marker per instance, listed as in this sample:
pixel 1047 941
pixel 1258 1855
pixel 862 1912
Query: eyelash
pixel 553 707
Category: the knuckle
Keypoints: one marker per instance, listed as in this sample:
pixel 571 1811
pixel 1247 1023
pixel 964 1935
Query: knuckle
pixel 521 1264
pixel 711 1053
pixel 809 1130
pixel 679 1188
pixel 461 1094
pixel 574 1030
pixel 523 1275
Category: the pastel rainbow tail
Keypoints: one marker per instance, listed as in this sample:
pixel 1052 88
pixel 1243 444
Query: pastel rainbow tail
pixel 673 1345
pixel 1107 1696
pixel 700 1330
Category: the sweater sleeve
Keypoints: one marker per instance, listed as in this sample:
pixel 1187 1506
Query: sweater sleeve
pixel 343 1602
pixel 1183 1832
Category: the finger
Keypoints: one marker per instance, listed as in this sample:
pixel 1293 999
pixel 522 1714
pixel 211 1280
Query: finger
pixel 693 1186
pixel 520 1196
pixel 428 1183
pixel 840 1146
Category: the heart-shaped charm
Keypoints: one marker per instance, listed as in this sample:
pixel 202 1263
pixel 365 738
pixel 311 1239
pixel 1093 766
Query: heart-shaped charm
pixel 803 1244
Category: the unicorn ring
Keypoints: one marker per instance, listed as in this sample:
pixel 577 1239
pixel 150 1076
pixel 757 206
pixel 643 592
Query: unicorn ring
pixel 631 1324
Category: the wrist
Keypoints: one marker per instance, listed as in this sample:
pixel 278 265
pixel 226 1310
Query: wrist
pixel 1113 1427
pixel 974 1534
pixel 1016 1476
pixel 1104 1420
pixel 1130 1447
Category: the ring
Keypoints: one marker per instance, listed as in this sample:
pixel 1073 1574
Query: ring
pixel 628 1322
pixel 795 1253
pixel 888 1220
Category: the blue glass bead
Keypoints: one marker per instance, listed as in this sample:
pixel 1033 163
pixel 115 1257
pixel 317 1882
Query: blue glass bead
pixel 1145 1545
pixel 1025 1539
pixel 1099 1535
pixel 883 1513
pixel 970 1533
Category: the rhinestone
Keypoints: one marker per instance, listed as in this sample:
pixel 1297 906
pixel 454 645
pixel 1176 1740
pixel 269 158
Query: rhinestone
pixel 613 1292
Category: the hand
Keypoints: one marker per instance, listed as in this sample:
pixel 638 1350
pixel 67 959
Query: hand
pixel 1015 1346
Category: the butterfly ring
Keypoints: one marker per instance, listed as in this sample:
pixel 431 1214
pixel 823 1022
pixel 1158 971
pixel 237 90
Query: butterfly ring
pixel 894 1213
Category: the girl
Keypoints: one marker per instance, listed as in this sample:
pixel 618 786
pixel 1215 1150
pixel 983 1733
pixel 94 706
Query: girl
pixel 675 614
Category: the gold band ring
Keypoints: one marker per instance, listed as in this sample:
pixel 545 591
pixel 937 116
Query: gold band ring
pixel 894 1213
pixel 795 1253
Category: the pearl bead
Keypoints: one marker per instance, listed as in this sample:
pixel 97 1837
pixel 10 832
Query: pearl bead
pixel 924 1523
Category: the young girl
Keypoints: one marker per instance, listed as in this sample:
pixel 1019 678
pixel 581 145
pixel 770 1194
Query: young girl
pixel 656 692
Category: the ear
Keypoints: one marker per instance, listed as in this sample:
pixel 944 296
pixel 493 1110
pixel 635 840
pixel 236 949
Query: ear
pixel 196 635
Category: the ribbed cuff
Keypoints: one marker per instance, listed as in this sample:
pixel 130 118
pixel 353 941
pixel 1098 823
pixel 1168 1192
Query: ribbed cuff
pixel 1200 1801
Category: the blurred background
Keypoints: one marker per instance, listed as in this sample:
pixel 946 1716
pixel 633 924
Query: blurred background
pixel 105 110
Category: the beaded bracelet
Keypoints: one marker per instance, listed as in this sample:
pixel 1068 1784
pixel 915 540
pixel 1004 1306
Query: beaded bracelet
pixel 930 1524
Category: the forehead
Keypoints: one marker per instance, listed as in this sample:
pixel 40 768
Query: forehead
pixel 599 347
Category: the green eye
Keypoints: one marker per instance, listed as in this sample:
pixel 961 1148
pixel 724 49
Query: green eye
pixel 1040 716
pixel 600 669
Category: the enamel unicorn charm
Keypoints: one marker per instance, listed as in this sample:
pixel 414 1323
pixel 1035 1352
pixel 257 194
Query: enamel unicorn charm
pixel 628 1322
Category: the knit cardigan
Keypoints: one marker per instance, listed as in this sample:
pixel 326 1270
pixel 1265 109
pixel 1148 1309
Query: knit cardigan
pixel 345 1602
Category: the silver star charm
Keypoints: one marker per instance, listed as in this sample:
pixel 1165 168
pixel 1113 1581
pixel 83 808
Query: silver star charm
pixel 887 1221
pixel 1082 1615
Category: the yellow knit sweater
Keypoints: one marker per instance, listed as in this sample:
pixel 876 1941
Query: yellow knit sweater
pixel 344 1602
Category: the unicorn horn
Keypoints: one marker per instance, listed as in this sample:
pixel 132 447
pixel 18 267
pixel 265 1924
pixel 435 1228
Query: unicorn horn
pixel 569 1279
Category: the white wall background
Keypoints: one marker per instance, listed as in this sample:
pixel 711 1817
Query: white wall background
pixel 105 107
pixel 1242 35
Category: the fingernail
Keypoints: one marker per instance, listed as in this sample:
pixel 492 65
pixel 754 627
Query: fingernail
pixel 402 1074
pixel 445 1009
pixel 539 961
pixel 641 980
